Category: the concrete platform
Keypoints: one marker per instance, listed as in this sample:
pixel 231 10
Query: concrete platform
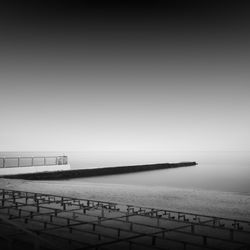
pixel 10 166
pixel 33 169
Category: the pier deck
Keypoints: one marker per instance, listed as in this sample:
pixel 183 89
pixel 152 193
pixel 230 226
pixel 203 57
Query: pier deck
pixel 29 165
pixel 44 221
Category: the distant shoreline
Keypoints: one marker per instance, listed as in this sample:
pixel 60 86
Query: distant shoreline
pixel 76 173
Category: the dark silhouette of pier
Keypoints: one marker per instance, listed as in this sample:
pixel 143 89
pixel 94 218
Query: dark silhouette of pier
pixel 76 173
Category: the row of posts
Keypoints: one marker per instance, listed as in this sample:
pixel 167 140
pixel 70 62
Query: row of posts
pixel 128 214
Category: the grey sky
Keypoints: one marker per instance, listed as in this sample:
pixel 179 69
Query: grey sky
pixel 142 85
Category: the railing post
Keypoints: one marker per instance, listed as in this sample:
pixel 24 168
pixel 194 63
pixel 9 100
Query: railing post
pixel 3 162
pixel 44 161
pixel 65 160
pixel 32 161
pixel 18 161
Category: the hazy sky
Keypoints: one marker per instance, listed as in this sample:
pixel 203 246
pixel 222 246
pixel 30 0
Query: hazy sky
pixel 125 77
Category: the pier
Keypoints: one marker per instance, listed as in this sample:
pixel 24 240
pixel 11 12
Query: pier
pixel 29 165
pixel 77 173
pixel 47 221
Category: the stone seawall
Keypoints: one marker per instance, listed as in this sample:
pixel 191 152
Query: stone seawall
pixel 68 174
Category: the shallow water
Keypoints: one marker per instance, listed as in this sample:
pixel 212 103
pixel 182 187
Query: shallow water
pixel 219 185
pixel 220 171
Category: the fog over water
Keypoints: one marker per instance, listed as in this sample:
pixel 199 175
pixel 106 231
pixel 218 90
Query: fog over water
pixel 220 171
pixel 218 185
pixel 132 83
pixel 123 83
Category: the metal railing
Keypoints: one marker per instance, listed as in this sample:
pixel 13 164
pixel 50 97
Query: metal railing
pixel 11 162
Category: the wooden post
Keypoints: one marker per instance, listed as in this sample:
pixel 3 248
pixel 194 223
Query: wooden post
pixel 204 240
pixel 26 198
pixel 19 213
pixel 158 221
pixel 3 199
pixel 192 228
pixel 153 240
pixel 36 243
pixel 37 205
pixel 184 245
pixel 127 217
pixel 10 244
pixel 231 234
pixel 163 234
pixel 130 245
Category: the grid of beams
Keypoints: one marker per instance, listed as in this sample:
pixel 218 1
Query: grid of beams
pixel 45 221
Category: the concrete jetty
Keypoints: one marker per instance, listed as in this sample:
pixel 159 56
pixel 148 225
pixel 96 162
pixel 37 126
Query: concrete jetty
pixel 32 165
pixel 68 174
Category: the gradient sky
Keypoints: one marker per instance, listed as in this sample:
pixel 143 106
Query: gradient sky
pixel 149 76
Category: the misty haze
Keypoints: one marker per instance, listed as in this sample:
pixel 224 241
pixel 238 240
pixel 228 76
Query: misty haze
pixel 124 125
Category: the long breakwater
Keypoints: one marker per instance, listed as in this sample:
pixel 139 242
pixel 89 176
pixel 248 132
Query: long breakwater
pixel 67 174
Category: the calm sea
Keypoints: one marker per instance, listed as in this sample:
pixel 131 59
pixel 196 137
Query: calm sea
pixel 220 171
pixel 218 185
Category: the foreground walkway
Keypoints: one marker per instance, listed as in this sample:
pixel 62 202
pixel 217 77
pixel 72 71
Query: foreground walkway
pixel 44 221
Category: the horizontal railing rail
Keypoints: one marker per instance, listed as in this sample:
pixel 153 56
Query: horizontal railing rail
pixel 26 161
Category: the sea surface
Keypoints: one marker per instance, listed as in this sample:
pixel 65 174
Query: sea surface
pixel 218 185
pixel 220 171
